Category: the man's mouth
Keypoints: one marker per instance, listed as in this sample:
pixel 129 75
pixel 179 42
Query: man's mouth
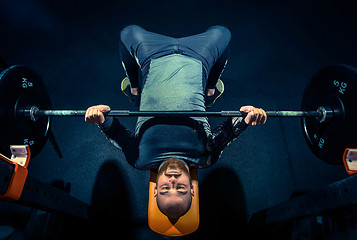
pixel 173 172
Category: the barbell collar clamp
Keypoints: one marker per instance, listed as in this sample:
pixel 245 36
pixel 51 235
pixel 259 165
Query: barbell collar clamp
pixel 326 114
pixel 30 112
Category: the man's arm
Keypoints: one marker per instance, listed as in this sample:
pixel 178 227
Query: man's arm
pixel 114 131
pixel 223 135
pixel 230 129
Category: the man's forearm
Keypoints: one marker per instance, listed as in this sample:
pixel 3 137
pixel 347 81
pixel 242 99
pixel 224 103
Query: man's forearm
pixel 225 133
pixel 121 138
pixel 116 132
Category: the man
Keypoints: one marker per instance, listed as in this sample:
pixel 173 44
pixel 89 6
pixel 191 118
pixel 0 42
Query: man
pixel 173 74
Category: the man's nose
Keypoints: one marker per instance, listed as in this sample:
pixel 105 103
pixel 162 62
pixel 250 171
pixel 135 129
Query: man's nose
pixel 172 179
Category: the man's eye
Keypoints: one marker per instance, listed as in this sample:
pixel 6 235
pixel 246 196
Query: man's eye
pixel 165 188
pixel 182 192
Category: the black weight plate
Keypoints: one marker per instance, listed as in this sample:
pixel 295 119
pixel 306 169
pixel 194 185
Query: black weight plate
pixel 336 87
pixel 20 87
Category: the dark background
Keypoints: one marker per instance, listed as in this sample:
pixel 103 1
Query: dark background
pixel 276 48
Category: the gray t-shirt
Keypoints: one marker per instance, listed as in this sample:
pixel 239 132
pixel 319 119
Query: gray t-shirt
pixel 174 83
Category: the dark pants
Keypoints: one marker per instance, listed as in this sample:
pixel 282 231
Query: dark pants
pixel 138 46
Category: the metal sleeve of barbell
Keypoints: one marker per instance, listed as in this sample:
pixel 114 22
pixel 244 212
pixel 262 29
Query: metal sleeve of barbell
pixel 316 114
pixel 127 113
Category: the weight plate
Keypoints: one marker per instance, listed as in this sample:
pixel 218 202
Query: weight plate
pixel 20 87
pixel 335 87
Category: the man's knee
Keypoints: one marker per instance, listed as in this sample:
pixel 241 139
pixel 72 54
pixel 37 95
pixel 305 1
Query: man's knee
pixel 129 30
pixel 221 32
pixel 130 33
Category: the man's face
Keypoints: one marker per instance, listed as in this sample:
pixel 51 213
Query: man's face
pixel 174 190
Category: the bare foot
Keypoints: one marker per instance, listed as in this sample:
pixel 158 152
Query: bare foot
pixel 134 91
pixel 210 92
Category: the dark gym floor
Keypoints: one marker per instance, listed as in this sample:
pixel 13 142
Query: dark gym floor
pixel 276 47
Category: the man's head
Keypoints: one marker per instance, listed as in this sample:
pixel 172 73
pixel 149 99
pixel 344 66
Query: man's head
pixel 173 189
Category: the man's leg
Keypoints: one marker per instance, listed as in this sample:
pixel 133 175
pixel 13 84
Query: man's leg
pixel 137 47
pixel 211 48
pixel 131 68
pixel 216 72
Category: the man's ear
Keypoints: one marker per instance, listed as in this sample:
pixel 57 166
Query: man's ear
pixel 192 191
pixel 155 191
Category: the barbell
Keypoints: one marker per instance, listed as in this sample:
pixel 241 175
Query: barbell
pixel 33 113
pixel 328 109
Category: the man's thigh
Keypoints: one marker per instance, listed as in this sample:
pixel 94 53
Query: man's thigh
pixel 145 45
pixel 208 46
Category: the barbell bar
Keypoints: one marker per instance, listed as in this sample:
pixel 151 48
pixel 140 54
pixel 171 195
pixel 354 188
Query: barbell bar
pixel 322 114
